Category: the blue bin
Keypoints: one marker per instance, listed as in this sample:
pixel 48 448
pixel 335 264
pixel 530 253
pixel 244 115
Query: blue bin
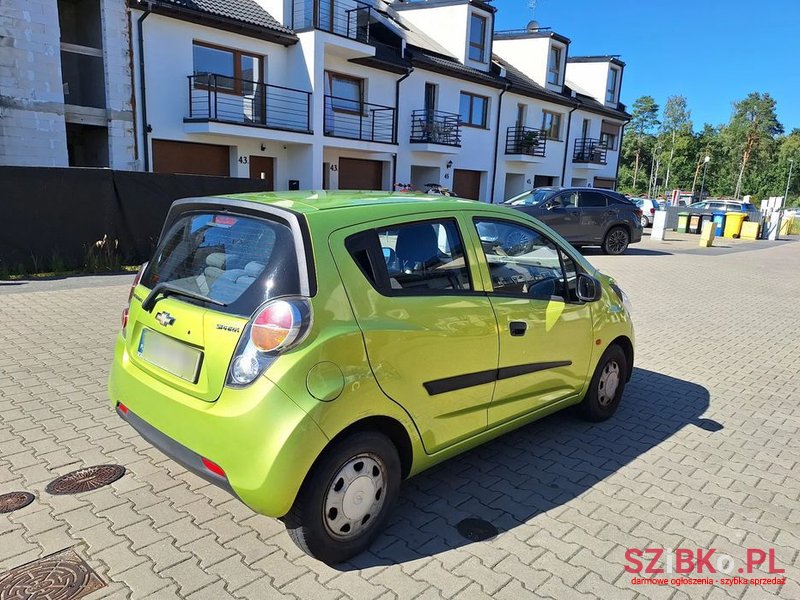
pixel 719 223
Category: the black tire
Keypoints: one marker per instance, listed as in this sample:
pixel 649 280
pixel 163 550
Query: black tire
pixel 644 221
pixel 309 522
pixel 597 405
pixel 616 240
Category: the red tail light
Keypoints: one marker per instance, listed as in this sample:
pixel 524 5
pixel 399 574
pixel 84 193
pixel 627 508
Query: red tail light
pixel 276 326
pixel 124 319
pixel 638 212
pixel 213 467
pixel 122 408
pixel 652 211
pixel 136 281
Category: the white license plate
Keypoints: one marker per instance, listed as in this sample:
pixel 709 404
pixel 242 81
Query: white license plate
pixel 170 355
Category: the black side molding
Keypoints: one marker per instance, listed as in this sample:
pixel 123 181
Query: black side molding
pixel 459 382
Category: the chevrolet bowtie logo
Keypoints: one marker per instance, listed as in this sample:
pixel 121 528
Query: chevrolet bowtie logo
pixel 164 318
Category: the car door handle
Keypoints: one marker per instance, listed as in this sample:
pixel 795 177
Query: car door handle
pixel 517 328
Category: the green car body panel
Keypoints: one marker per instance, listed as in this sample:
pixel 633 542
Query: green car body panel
pixel 366 355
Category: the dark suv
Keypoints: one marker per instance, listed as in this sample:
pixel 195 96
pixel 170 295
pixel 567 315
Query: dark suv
pixel 585 216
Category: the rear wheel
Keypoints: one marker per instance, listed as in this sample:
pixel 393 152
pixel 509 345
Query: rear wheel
pixel 644 221
pixel 346 498
pixel 607 386
pixel 616 240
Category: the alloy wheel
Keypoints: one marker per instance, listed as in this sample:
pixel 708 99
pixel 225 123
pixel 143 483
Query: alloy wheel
pixel 617 241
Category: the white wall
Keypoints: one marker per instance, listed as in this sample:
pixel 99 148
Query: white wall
pixel 589 77
pixel 447 25
pixel 529 55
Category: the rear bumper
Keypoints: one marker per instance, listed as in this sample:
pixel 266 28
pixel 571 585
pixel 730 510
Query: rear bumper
pixel 636 234
pixel 260 438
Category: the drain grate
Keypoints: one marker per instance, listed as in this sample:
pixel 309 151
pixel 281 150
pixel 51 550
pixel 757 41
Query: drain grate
pixel 476 530
pixel 14 501
pixel 60 576
pixel 85 480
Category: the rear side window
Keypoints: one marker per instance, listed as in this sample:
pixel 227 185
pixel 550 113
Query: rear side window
pixel 238 260
pixel 425 257
pixel 592 200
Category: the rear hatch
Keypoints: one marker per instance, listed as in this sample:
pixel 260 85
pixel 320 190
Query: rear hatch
pixel 212 269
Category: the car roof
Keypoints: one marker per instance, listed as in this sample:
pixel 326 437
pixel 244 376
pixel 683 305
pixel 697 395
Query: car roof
pixel 322 200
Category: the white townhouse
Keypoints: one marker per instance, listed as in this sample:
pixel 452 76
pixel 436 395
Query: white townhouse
pixel 352 94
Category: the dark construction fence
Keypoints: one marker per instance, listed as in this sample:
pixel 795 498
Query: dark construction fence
pixel 51 215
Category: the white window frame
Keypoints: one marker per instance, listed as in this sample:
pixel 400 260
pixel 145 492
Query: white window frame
pixel 611 90
pixel 555 115
pixel 559 70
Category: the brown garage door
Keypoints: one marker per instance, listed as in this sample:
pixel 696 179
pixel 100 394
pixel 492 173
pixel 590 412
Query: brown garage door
pixel 188 157
pixel 359 174
pixel 605 183
pixel 467 184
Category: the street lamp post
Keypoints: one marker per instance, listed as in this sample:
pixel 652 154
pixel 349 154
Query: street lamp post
pixel 788 180
pixel 705 168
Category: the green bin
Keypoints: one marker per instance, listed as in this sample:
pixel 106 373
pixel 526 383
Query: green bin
pixel 683 222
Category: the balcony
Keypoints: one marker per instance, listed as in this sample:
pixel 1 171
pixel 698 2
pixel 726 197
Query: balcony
pixel 357 120
pixel 435 127
pixel 242 102
pixel 346 18
pixel 525 143
pixel 589 151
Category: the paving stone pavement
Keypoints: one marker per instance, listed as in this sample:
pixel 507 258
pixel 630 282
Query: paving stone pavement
pixel 703 453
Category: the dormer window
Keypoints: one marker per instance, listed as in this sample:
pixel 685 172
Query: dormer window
pixel 554 66
pixel 611 91
pixel 477 38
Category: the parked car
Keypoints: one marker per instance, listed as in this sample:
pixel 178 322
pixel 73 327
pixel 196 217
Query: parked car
pixel 307 352
pixel 648 206
pixel 584 216
pixel 713 205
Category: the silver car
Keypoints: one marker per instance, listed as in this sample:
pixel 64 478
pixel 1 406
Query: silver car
pixel 648 207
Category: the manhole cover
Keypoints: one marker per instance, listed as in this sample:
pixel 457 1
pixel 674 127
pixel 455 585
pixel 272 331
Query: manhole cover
pixel 476 530
pixel 14 501
pixel 60 576
pixel 84 480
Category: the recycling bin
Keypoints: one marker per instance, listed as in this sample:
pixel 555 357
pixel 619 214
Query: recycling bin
pixel 695 221
pixel 706 218
pixel 683 221
pixel 719 223
pixel 733 223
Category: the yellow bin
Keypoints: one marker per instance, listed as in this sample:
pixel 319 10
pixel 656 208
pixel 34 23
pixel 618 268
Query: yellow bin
pixel 733 224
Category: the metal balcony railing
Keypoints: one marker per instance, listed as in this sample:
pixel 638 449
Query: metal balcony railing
pixel 357 120
pixel 348 18
pixel 526 140
pixel 589 150
pixel 435 127
pixel 225 99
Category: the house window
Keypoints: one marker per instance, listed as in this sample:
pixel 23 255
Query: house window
pixel 551 123
pixel 554 67
pixel 477 38
pixel 608 141
pixel 473 110
pixel 347 93
pixel 226 69
pixel 611 91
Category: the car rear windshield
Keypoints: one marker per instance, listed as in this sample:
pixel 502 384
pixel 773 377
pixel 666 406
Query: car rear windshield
pixel 237 260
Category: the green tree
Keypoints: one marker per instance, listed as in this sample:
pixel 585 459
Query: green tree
pixel 676 120
pixel 644 120
pixel 751 132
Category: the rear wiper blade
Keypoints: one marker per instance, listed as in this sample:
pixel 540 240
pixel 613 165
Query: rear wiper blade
pixel 162 290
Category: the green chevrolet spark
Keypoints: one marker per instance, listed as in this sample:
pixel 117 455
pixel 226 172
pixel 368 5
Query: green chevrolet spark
pixel 307 351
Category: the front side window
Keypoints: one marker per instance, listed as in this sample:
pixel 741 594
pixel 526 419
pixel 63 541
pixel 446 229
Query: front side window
pixel 477 38
pixel 554 66
pixel 226 69
pixel 473 110
pixel 347 93
pixel 611 90
pixel 424 257
pixel 551 123
pixel 521 261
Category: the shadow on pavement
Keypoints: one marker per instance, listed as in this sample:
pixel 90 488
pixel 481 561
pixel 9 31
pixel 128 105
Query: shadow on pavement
pixel 631 251
pixel 546 464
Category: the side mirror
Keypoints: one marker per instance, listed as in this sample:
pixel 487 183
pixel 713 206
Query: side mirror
pixel 588 289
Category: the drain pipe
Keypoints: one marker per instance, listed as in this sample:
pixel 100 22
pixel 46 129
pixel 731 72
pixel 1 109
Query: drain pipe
pixel 142 85
pixel 566 144
pixel 397 102
pixel 497 140
pixel 619 153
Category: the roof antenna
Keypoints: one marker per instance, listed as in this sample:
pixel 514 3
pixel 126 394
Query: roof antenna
pixel 533 25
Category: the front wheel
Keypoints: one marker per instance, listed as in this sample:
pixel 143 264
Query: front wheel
pixel 607 385
pixel 616 240
pixel 346 498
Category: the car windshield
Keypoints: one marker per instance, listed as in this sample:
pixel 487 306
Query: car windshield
pixel 530 198
pixel 237 260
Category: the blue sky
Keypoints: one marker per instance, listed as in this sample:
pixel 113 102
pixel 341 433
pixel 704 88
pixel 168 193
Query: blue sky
pixel 712 51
